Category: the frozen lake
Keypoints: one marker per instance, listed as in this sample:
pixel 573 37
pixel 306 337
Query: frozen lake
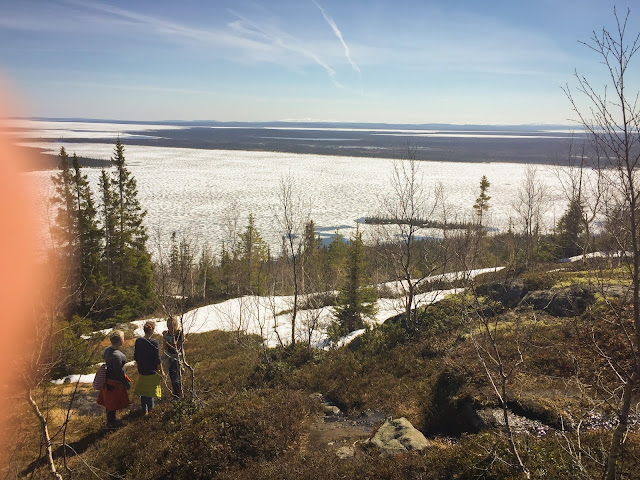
pixel 191 190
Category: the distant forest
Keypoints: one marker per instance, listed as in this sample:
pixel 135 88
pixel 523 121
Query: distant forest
pixel 46 161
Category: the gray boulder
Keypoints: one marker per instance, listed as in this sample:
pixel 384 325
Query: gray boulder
pixel 508 294
pixel 617 291
pixel 331 410
pixel 561 302
pixel 399 436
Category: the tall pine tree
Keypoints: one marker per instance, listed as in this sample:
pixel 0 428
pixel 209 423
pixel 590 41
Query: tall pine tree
pixel 63 231
pixel 253 255
pixel 63 227
pixel 480 207
pixel 310 261
pixel 356 301
pixel 127 261
pixel 571 229
pixel 77 237
pixel 88 246
pixel 109 252
pixel 482 202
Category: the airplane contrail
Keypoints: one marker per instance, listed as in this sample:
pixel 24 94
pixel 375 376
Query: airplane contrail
pixel 338 34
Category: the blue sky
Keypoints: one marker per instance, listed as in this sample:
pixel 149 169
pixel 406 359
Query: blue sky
pixel 491 62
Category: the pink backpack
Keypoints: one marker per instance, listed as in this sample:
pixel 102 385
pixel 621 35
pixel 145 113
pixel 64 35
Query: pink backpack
pixel 101 377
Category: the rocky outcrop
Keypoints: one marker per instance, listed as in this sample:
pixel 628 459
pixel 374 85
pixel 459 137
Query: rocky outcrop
pixel 508 294
pixel 617 291
pixel 399 436
pixel 562 302
pixel 328 408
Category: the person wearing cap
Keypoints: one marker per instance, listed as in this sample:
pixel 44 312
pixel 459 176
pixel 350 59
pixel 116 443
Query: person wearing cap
pixel 146 353
pixel 113 395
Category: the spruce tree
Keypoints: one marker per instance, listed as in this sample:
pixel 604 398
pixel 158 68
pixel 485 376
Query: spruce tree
pixel 480 207
pixel 63 228
pixel 310 260
pixel 571 229
pixel 482 202
pixel 129 234
pixel 77 238
pixel 108 225
pixel 227 270
pixel 126 257
pixel 87 245
pixel 253 253
pixel 356 301
pixel 63 232
pixel 336 260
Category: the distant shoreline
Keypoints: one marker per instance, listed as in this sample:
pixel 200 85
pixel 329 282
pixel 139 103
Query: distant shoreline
pixel 46 161
pixel 534 144
pixel 310 124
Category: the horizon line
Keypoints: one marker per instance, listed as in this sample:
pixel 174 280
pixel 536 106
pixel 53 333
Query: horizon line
pixel 288 121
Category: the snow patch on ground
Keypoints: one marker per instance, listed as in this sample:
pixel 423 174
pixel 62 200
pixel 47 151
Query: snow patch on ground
pixel 577 258
pixel 87 378
pixel 270 317
pixel 400 286
pixel 75 378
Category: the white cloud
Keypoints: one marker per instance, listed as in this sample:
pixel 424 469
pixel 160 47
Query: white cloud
pixel 338 34
pixel 241 40
pixel 171 30
pixel 282 40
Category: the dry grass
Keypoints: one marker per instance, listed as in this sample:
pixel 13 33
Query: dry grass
pixel 252 417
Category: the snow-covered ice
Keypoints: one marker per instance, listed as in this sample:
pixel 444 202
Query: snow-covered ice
pixel 191 190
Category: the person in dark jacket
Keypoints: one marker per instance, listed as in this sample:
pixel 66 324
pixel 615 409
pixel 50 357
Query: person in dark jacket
pixel 113 395
pixel 172 348
pixel 146 353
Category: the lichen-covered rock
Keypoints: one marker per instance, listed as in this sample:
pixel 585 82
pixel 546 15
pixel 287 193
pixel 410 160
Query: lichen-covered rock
pixel 344 453
pixel 562 302
pixel 617 291
pixel 508 294
pixel 399 436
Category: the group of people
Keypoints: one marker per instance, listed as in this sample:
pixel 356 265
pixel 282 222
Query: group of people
pixel 114 394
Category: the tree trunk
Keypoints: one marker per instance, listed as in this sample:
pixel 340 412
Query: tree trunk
pixel 295 299
pixel 617 441
pixel 45 436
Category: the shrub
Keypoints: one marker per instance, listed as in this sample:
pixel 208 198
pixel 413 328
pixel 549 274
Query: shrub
pixel 71 353
pixel 201 443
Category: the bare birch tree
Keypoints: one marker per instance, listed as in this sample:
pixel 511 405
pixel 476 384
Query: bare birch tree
pixel 48 349
pixel 610 116
pixel 406 209
pixel 582 186
pixel 529 206
pixel 494 344
pixel 292 216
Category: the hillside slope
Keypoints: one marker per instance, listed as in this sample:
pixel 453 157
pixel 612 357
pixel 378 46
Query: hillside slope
pixel 254 415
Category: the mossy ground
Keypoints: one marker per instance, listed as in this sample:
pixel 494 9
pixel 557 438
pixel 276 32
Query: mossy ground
pixel 252 414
